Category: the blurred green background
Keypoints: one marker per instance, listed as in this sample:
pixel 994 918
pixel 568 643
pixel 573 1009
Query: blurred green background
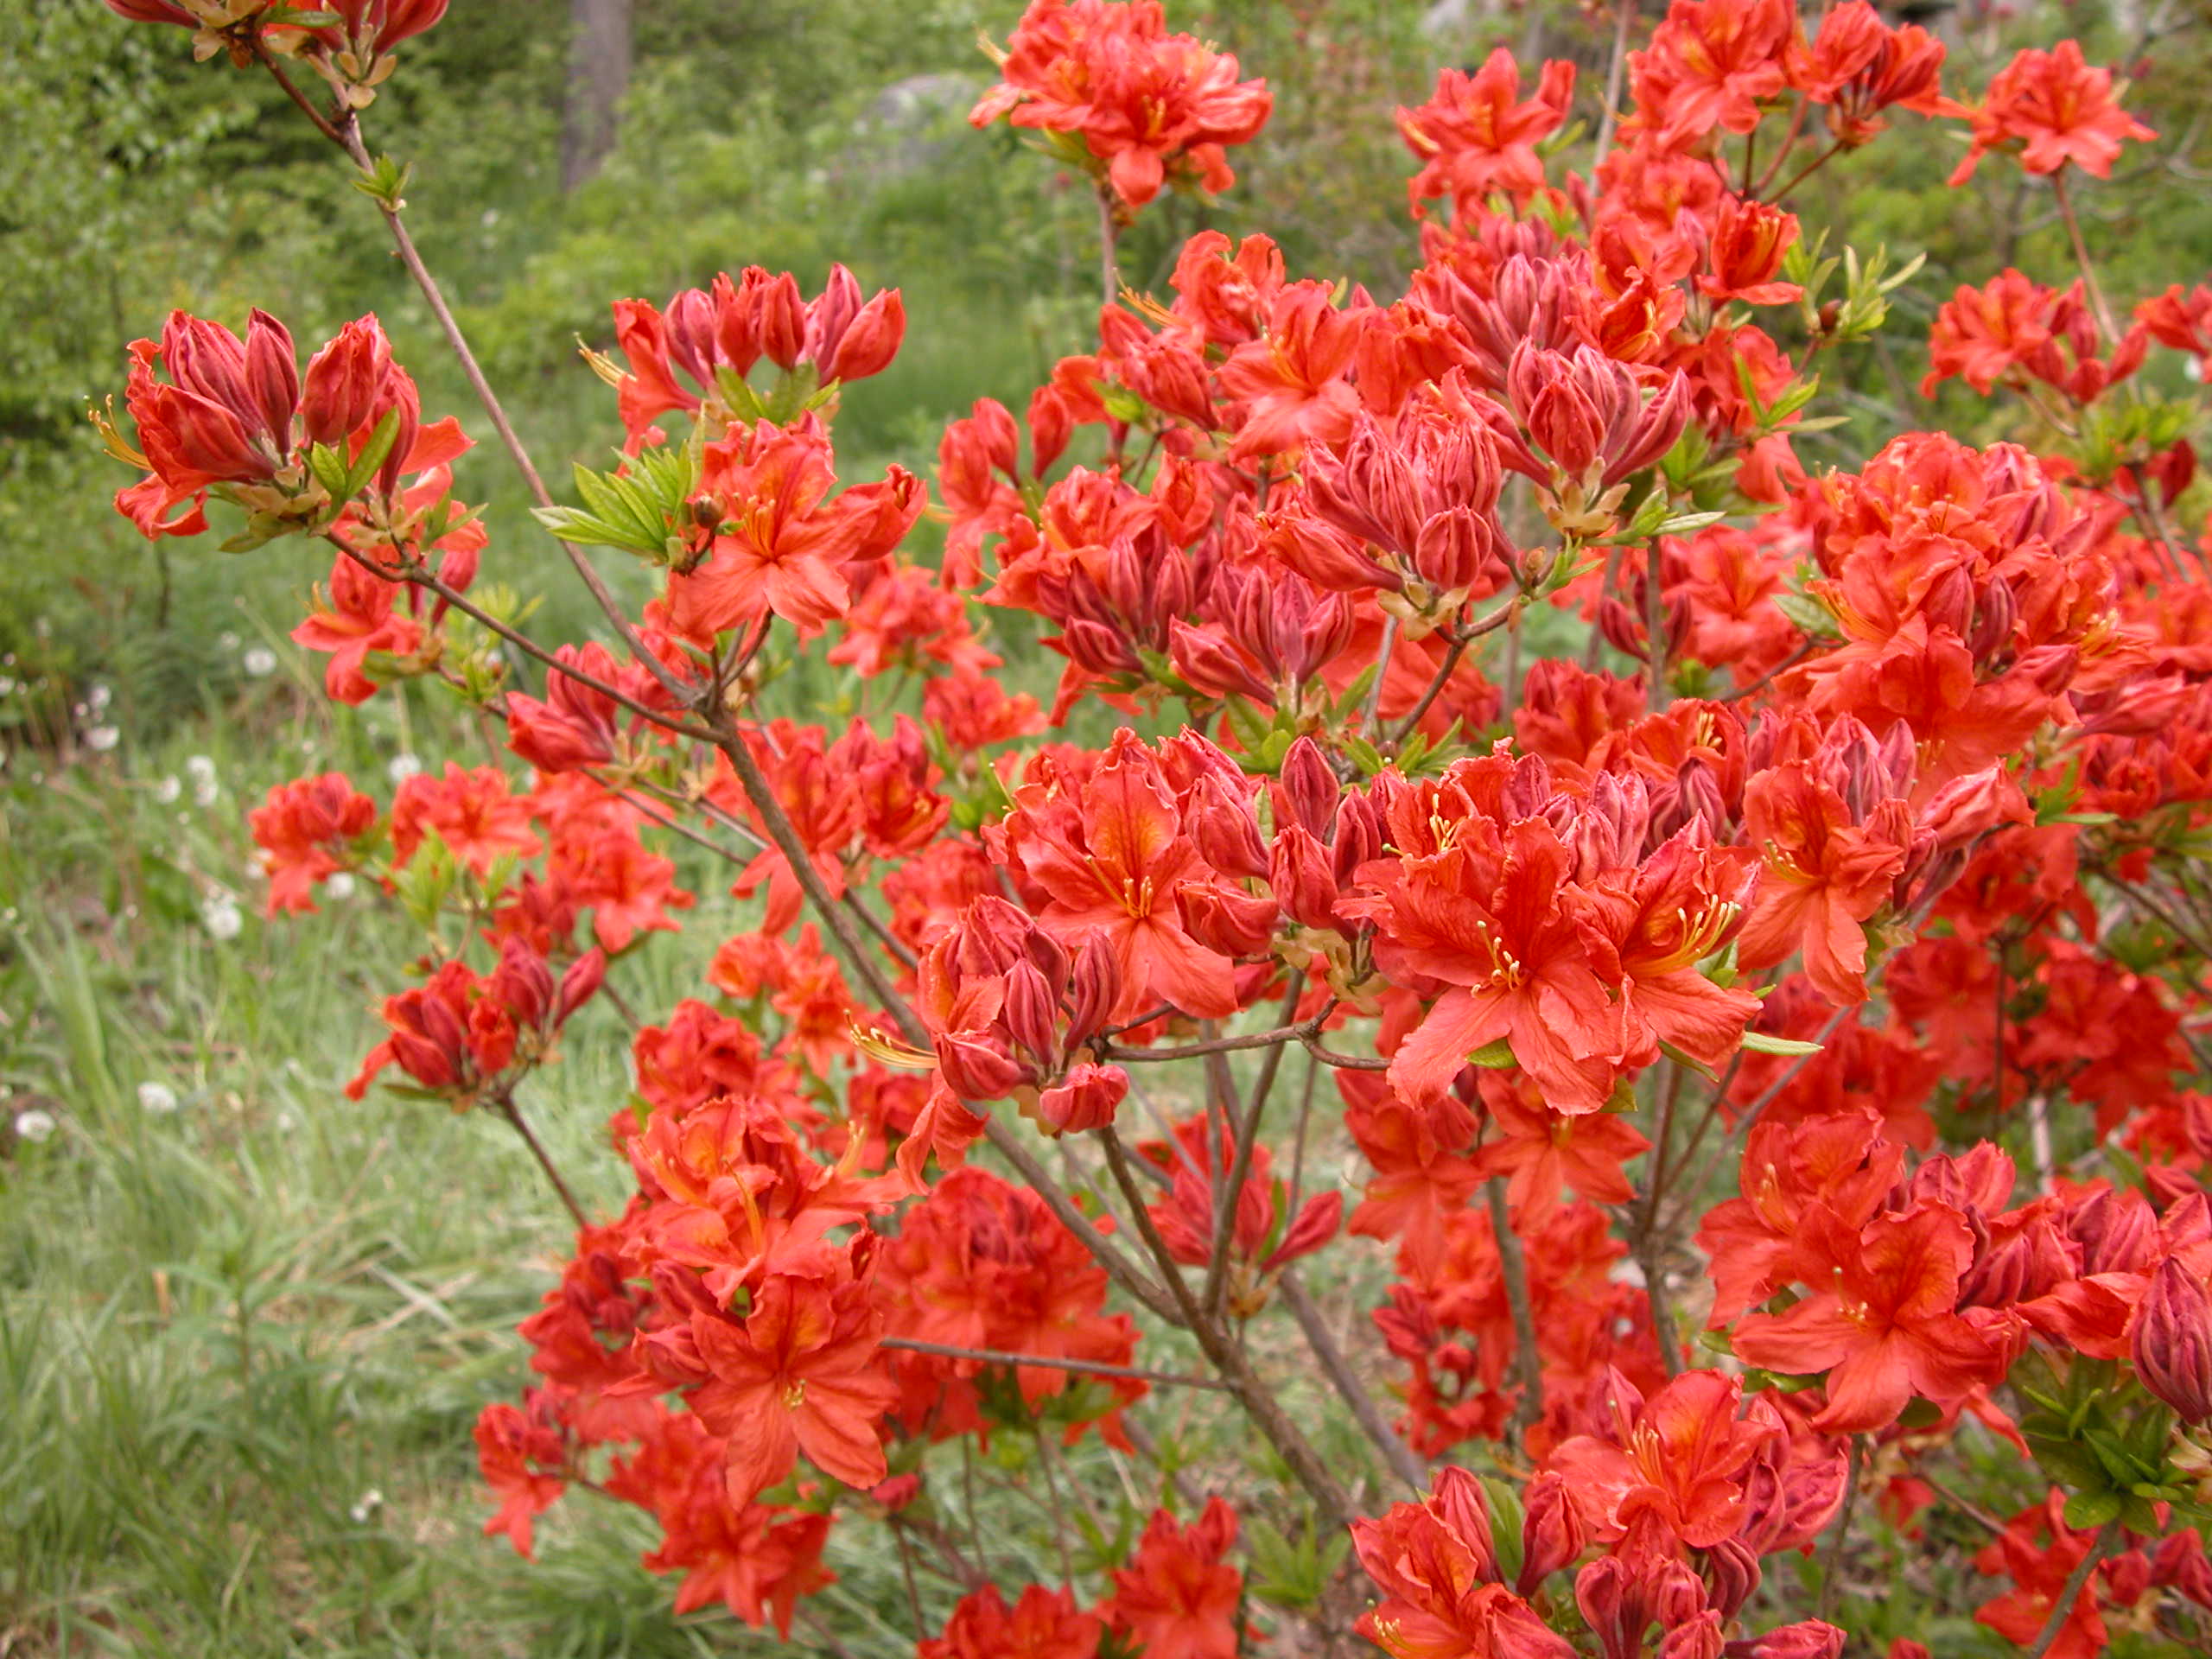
pixel 244 1326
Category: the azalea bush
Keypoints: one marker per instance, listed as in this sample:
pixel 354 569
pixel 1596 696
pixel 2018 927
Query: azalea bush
pixel 1567 1038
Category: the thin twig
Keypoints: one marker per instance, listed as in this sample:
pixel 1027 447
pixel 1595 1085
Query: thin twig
pixel 2102 311
pixel 1240 1168
pixel 1513 1267
pixel 1842 1533
pixel 505 1101
pixel 1109 233
pixel 1460 641
pixel 1052 1363
pixel 1381 673
pixel 2076 1581
pixel 348 135
pixel 1259 1402
pixel 459 601
pixel 1616 78
pixel 1402 1460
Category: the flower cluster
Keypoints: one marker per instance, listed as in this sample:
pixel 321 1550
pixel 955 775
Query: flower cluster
pixel 1720 946
pixel 1148 107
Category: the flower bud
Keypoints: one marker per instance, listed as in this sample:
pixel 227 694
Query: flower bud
pixel 1359 836
pixel 781 315
pixel 736 322
pixel 1806 1639
pixel 1086 1099
pixel 1210 664
pixel 688 327
pixel 1698 1637
pixel 1967 808
pixel 1565 427
pixel 206 358
pixel 1224 920
pixel 871 342
pixel 522 984
pixel 1551 1531
pixel 579 984
pixel 1028 1012
pixel 1731 1575
pixel 1313 1226
pixel 398 394
pixel 1098 985
pixel 1308 791
pixel 827 318
pixel 1225 829
pixel 272 377
pixel 2117 1231
pixel 1051 424
pixel 2172 1341
pixel 343 380
pixel 977 1070
pixel 1304 879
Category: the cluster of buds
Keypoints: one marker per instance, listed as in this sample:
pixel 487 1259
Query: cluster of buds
pixel 235 417
pixel 1579 425
pixel 694 355
pixel 1413 513
pixel 1012 1012
pixel 466 1037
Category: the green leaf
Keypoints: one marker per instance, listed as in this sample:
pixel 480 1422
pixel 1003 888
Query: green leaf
pixel 1759 1043
pixel 329 469
pixel 373 452
pixel 1493 1056
pixel 2086 1512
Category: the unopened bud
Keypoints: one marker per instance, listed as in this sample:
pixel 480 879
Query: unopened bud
pixel 2172 1341
pixel 1224 920
pixel 1086 1099
pixel 1551 1532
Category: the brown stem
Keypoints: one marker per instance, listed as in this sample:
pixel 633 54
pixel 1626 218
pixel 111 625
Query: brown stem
pixel 1460 641
pixel 2097 305
pixel 1655 639
pixel 1651 1247
pixel 1240 1169
pixel 1514 1269
pixel 307 107
pixel 1401 1457
pixel 450 595
pixel 1109 233
pixel 1807 171
pixel 1260 1404
pixel 1616 77
pixel 1594 647
pixel 1768 678
pixel 1052 1362
pixel 1789 143
pixel 674 826
pixel 958 1567
pixel 1344 1062
pixel 1280 1034
pixel 1381 673
pixel 505 1103
pixel 1842 1533
pixel 2142 899
pixel 348 136
pixel 884 936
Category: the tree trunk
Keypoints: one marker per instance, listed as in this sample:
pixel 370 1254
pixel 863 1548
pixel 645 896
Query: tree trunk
pixel 599 75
